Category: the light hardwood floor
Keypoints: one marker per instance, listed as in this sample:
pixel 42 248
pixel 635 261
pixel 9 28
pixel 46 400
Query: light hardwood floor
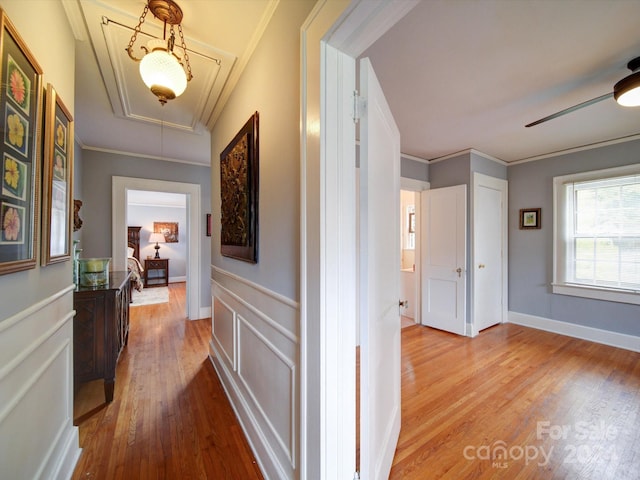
pixel 516 403
pixel 170 418
pixel 550 407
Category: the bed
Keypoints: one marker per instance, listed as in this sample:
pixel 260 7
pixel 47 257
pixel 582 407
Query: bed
pixel 133 258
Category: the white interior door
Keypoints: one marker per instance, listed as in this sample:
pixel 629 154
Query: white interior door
pixel 489 251
pixel 379 280
pixel 444 215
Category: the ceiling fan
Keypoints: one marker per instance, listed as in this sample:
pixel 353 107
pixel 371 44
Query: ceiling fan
pixel 626 92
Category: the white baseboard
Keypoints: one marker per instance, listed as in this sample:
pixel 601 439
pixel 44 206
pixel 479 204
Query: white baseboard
pixel 205 312
pixel 70 456
pixel 613 339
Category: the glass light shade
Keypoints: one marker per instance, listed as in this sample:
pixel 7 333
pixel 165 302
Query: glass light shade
pixel 159 68
pixel 627 91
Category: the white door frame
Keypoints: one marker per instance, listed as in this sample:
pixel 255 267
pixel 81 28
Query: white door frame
pixel 417 187
pixel 335 33
pixel 119 187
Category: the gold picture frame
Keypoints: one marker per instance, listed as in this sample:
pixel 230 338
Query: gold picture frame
pixel 57 185
pixel 21 119
pixel 168 229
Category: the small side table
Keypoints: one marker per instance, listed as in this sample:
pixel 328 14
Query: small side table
pixel 156 272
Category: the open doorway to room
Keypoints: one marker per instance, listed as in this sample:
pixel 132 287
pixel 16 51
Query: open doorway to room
pixel 121 186
pixel 160 263
pixel 408 277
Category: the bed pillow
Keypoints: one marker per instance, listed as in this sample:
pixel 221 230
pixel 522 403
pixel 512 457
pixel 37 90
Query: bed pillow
pixel 129 252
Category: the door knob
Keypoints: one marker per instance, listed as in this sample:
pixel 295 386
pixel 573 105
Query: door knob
pixel 404 303
pixel 459 270
pixel 481 265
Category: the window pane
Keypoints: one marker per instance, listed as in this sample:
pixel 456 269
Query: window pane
pixel 585 249
pixel 585 211
pixel 584 272
pixel 606 250
pixel 606 272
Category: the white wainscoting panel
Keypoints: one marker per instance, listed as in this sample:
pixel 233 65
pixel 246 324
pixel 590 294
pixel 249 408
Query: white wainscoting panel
pixel 254 348
pixel 37 436
pixel 223 331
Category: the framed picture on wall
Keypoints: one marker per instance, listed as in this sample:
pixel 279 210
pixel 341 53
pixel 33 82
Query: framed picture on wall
pixel 239 194
pixel 21 116
pixel 168 229
pixel 57 175
pixel 530 218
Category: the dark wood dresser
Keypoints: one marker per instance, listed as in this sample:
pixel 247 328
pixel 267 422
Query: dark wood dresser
pixel 100 330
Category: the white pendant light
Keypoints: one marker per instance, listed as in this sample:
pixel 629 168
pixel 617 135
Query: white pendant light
pixel 163 74
pixel 161 69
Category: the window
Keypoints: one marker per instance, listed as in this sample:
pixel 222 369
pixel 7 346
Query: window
pixel 597 234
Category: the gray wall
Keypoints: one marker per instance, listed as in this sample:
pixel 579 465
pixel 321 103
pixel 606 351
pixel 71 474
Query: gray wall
pixel 452 171
pixel 270 84
pixel 413 169
pixel 144 216
pixel 97 170
pixel 531 251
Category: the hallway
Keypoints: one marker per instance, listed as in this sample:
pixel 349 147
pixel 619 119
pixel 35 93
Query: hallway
pixel 170 417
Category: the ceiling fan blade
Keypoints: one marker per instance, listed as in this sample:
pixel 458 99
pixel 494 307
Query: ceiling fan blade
pixel 571 109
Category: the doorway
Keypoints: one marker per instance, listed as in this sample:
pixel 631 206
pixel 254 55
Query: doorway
pixel 148 210
pixel 120 188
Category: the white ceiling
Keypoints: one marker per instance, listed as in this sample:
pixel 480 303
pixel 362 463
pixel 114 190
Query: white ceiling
pixel 469 74
pixel 458 75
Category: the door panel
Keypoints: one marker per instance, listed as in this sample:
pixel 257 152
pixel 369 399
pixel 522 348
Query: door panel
pixel 444 220
pixel 489 249
pixel 379 280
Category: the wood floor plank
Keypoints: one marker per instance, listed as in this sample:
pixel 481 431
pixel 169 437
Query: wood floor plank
pixel 517 403
pixel 170 417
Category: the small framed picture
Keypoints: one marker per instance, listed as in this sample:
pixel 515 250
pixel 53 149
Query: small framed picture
pixel 530 218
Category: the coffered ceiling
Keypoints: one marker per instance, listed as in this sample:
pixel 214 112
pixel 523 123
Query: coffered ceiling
pixel 114 109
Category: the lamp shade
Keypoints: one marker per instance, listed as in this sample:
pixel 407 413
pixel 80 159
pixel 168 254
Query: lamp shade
pixel 156 238
pixel 161 71
pixel 627 91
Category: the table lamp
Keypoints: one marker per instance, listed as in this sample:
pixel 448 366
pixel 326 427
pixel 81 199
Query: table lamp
pixel 156 238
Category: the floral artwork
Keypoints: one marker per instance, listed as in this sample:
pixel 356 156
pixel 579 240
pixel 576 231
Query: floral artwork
pixel 58 166
pixel 17 130
pixel 14 177
pixel 61 135
pixel 18 85
pixel 21 117
pixel 12 224
pixel 56 190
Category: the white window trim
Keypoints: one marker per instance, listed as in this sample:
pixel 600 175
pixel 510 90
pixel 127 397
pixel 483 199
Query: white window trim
pixel 561 287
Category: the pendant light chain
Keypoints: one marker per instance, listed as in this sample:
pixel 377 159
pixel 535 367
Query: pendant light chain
pixel 137 29
pixel 186 55
pixel 162 70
